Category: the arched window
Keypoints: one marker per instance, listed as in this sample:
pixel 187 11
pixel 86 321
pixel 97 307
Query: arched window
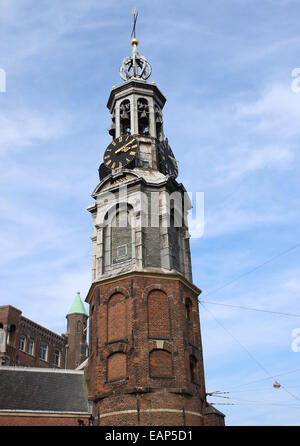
pixel 118 235
pixel 78 327
pixel 160 364
pixel 125 123
pixel 116 318
pixel 143 116
pixel 158 122
pixel 116 367
pixel 121 236
pixel 188 309
pixel 174 236
pixel 158 315
pixel 112 130
pixel 11 334
pixel 193 369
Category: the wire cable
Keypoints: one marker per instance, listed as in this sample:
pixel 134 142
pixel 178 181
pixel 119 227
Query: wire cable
pixel 257 381
pixel 297 245
pixel 257 403
pixel 248 308
pixel 250 355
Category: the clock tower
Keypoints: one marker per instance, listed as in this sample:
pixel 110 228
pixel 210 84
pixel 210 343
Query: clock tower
pixel 145 363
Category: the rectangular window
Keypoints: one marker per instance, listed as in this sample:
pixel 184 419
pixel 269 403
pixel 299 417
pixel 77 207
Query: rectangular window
pixel 122 251
pixel 22 343
pixel 43 351
pixel 31 346
pixel 56 358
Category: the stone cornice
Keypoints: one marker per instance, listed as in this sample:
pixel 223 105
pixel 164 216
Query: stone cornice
pixel 148 274
pixel 135 86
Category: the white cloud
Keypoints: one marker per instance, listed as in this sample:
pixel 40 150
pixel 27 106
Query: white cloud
pixel 277 110
pixel 21 128
pixel 243 160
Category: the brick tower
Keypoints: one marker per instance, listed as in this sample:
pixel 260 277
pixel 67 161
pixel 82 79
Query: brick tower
pixel 76 333
pixel 145 358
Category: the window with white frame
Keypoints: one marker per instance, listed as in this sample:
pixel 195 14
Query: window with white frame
pixel 22 344
pixel 31 346
pixel 56 358
pixel 43 351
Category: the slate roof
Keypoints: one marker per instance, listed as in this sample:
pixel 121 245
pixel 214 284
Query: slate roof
pixel 36 389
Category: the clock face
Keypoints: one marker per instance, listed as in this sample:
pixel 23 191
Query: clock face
pixel 120 152
pixel 168 163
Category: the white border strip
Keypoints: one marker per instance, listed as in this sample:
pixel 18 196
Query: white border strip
pixel 41 370
pixel 120 412
pixel 41 413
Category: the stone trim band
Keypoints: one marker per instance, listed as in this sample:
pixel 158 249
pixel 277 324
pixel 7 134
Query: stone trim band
pixel 135 411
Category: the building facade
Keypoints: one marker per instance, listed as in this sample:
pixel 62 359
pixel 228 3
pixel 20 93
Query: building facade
pixel 145 362
pixel 43 397
pixel 24 342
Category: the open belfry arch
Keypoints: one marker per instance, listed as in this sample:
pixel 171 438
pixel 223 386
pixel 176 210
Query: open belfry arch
pixel 145 363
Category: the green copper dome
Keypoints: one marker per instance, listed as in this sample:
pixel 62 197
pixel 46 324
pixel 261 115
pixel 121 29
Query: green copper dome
pixel 77 306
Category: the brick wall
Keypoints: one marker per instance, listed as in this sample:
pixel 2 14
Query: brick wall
pixel 116 367
pixel 154 385
pixel 116 318
pixel 158 315
pixel 76 333
pixel 160 364
pixel 16 326
pixel 42 420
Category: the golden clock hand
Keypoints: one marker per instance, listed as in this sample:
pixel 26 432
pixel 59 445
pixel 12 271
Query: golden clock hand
pixel 121 149
pixel 129 148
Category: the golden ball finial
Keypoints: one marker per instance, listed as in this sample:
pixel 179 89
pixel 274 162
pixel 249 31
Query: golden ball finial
pixel 134 41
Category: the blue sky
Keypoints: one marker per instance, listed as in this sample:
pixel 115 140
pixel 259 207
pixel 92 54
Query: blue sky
pixel 233 123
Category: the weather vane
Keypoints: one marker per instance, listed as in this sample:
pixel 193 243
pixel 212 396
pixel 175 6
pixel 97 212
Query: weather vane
pixel 135 16
pixel 135 66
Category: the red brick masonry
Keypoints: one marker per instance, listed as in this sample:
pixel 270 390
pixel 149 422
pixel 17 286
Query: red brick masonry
pixel 145 364
pixel 38 419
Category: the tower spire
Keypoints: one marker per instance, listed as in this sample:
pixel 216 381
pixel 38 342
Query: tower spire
pixel 77 306
pixel 135 66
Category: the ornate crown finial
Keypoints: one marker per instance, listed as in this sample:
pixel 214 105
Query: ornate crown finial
pixel 135 66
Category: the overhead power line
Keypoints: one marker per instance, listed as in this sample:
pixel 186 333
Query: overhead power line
pixel 257 403
pixel 250 354
pixel 257 381
pixel 219 393
pixel 236 340
pixel 297 245
pixel 248 308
